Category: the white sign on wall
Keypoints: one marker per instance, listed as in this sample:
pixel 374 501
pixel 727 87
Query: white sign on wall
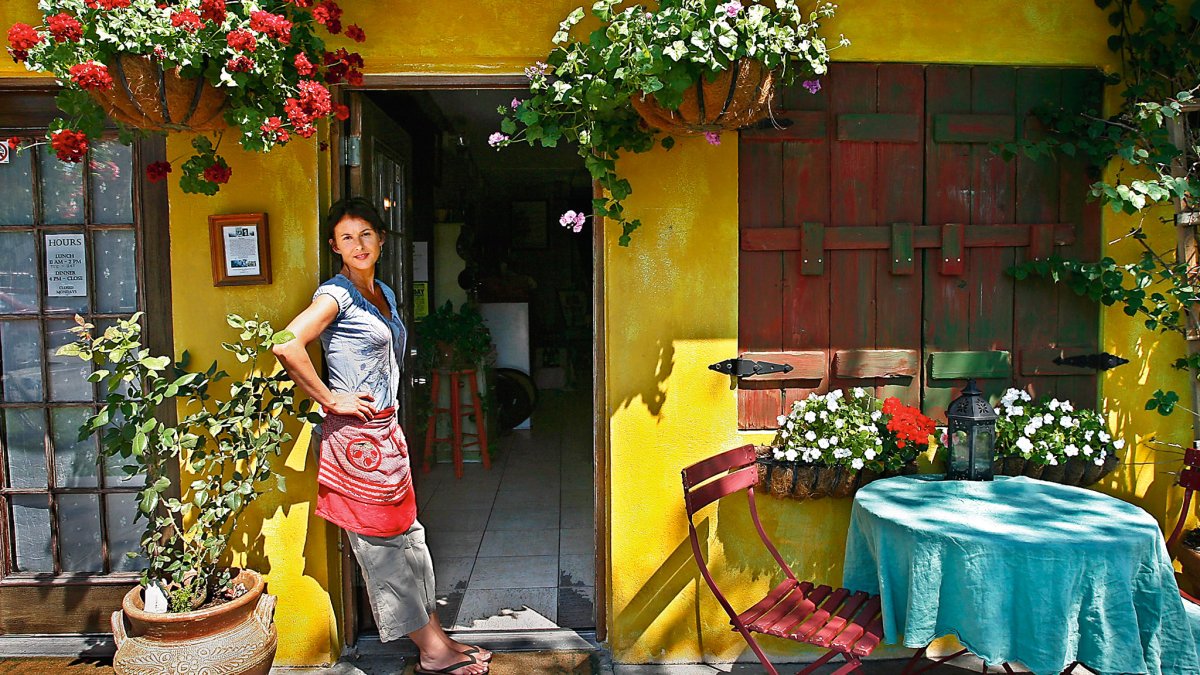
pixel 5 151
pixel 66 266
pixel 241 251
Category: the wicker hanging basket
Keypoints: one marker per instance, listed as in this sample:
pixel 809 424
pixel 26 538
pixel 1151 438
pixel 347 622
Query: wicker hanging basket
pixel 738 97
pixel 1075 471
pixel 796 480
pixel 147 97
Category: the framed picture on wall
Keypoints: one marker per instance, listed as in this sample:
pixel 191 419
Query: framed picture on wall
pixel 240 248
pixel 528 224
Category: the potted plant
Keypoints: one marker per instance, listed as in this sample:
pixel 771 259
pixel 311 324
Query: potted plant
pixel 1051 440
pixel 188 65
pixel 645 74
pixel 190 612
pixel 452 339
pixel 832 444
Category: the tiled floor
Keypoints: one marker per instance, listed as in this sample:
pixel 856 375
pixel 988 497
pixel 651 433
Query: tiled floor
pixel 513 547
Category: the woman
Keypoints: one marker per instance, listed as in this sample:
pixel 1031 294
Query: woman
pixel 364 480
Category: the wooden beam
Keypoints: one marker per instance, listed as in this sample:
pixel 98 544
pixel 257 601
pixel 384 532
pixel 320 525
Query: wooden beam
pixel 876 363
pixel 964 365
pixel 879 128
pixel 924 236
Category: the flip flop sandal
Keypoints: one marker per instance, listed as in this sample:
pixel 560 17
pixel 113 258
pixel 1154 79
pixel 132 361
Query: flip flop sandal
pixel 475 650
pixel 448 670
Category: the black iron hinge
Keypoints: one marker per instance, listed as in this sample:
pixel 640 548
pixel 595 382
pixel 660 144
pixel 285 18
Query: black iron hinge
pixel 1101 361
pixel 740 367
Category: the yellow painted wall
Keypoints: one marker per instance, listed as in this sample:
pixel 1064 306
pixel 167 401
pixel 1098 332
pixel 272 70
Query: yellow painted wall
pixel 671 309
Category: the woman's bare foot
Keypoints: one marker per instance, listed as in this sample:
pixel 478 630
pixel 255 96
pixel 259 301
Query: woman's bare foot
pixel 481 655
pixel 445 661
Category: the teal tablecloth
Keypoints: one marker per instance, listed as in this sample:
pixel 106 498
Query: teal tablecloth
pixel 1021 570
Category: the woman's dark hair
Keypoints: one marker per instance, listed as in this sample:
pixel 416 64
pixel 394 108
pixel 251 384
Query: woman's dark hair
pixel 355 207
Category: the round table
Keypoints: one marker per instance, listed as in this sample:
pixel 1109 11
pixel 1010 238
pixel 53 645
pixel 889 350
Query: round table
pixel 1020 570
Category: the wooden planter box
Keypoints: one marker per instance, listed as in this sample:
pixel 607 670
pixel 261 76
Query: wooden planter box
pixel 1075 471
pixel 796 480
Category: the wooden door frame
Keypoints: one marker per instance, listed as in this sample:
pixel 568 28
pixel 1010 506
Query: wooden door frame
pixel 600 436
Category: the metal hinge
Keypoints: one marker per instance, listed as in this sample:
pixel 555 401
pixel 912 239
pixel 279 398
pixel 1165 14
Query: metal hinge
pixel 352 150
pixel 740 367
pixel 1101 361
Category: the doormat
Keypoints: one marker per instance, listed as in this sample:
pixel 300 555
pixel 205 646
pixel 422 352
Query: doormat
pixel 549 663
pixel 47 666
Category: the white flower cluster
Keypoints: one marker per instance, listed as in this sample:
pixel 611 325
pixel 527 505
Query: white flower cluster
pixel 1051 431
pixel 834 429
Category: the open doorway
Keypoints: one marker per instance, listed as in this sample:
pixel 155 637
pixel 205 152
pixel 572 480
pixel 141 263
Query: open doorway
pixel 513 546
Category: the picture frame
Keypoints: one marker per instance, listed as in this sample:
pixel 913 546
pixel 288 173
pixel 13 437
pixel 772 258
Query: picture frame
pixel 528 224
pixel 240 248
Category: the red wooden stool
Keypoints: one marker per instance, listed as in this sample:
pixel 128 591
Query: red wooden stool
pixel 456 414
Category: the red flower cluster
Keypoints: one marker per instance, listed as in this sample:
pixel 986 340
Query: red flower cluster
pixel 240 64
pixel 107 4
pixel 343 65
pixel 187 20
pixel 22 37
pixel 342 112
pixel 13 142
pixel 91 76
pixel 304 66
pixel 212 10
pixel 218 173
pixel 328 14
pixel 274 132
pixel 242 40
pixel 303 112
pixel 272 25
pixel 301 3
pixel 64 27
pixel 157 172
pixel 354 32
pixel 70 146
pixel 907 422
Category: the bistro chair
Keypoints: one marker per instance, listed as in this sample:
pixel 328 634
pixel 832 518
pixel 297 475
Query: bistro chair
pixel 1189 480
pixel 835 619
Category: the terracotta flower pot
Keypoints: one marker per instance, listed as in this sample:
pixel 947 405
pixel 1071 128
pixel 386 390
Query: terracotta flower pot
pixel 146 96
pixel 738 97
pixel 234 638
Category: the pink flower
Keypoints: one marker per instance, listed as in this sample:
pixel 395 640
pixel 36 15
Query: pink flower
pixel 572 220
pixel 516 103
pixel 813 86
pixel 713 137
pixel 496 139
pixel 732 8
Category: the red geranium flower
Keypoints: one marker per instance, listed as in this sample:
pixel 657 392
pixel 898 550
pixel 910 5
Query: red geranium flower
pixel 273 130
pixel 217 173
pixel 301 3
pixel 342 112
pixel 313 103
pixel 212 10
pixel 240 64
pixel 272 25
pixel 187 20
pixel 334 26
pixel 107 4
pixel 23 37
pixel 326 12
pixel 354 32
pixel 91 76
pixel 13 142
pixel 304 66
pixel 355 78
pixel 64 27
pixel 242 40
pixel 157 171
pixel 69 146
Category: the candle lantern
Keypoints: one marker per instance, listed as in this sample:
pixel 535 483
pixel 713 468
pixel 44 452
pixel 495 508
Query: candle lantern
pixel 972 435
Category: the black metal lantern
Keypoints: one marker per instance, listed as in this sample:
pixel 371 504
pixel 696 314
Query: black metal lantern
pixel 972 435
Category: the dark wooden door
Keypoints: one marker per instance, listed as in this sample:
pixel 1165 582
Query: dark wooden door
pixel 877 227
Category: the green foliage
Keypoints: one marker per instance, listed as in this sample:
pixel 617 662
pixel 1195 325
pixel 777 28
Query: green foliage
pixel 1155 139
pixel 271 97
pixel 449 338
pixel 221 448
pixel 581 93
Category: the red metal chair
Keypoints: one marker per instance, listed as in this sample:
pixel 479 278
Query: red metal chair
pixel 1189 480
pixel 842 622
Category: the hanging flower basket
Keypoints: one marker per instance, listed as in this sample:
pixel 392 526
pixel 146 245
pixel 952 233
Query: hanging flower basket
pixel 147 96
pixel 736 98
pixel 1074 471
pixel 799 480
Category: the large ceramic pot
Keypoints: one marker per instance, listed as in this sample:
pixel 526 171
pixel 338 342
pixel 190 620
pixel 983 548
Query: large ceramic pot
pixel 1075 471
pixel 235 638
pixel 146 96
pixel 738 97
pixel 796 480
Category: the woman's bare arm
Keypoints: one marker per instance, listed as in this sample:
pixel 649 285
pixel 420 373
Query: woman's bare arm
pixel 293 355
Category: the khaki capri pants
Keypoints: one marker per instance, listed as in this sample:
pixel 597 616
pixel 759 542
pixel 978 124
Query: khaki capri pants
pixel 398 572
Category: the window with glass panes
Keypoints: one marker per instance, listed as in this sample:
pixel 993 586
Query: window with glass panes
pixel 69 244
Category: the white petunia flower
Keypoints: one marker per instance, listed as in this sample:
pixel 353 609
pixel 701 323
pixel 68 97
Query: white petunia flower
pixel 833 440
pixel 839 423
pixel 1071 450
pixel 810 435
pixel 1048 418
pixel 824 415
pixel 876 415
pixel 781 420
pixel 1099 461
pixel 870 453
pixel 823 443
pixel 778 453
pixel 1104 437
pixel 1087 450
pixel 860 392
pixel 791 455
pixel 1066 422
pixel 1119 444
pixel 833 406
pixel 1051 459
pixel 810 416
pixel 1024 444
pixel 857 463
pixel 1053 404
pixel 1018 410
